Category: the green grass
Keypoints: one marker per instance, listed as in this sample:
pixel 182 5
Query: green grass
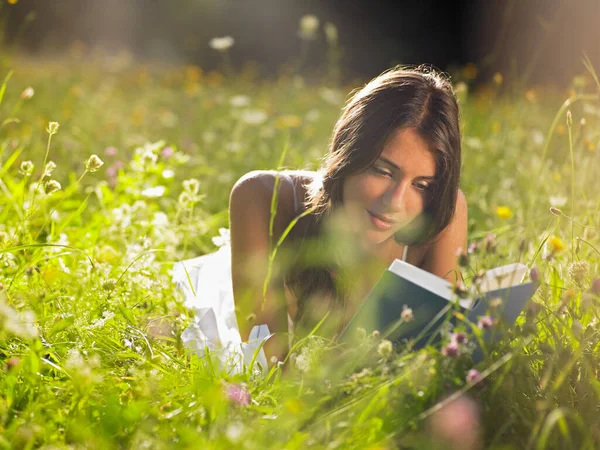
pixel 90 322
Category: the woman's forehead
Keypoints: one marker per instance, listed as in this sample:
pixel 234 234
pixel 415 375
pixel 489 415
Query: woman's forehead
pixel 407 150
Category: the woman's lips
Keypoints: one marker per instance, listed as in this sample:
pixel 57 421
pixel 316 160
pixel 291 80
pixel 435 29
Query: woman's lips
pixel 379 223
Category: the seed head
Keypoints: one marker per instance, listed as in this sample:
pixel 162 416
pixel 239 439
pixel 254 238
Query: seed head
pixel 26 168
pixel 578 271
pixel 50 166
pixel 52 186
pixel 52 128
pixel 407 314
pixel 27 93
pixel 93 163
pixel 555 211
pixel 385 349
pixel 569 118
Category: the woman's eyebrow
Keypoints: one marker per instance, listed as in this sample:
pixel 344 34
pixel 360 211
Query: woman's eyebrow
pixel 390 163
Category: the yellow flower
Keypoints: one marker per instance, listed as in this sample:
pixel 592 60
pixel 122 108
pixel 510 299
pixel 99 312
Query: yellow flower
pixel 288 121
pixel 556 243
pixel 498 78
pixel 504 212
pixel 12 2
pixel 193 73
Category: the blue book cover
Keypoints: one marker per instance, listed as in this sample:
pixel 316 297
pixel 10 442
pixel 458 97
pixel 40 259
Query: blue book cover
pixel 432 302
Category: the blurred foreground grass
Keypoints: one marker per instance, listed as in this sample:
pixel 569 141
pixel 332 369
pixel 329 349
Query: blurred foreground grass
pixel 91 323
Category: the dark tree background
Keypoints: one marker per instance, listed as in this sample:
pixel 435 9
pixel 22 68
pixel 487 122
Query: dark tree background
pixel 534 40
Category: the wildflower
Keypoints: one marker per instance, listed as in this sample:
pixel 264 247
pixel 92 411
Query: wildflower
pixel 485 322
pixel 309 25
pixel 167 152
pixel 498 78
pixel 223 238
pixel 50 166
pixel 109 285
pixel 27 93
pixel 534 274
pixel 450 350
pixel 459 338
pixel 473 248
pixel 407 314
pixel 555 211
pixel 192 186
pixel 221 44
pixel 288 121
pixel 111 151
pixel 489 243
pixel 473 376
pixel 52 186
pixel 254 117
pixel 331 33
pixel 93 163
pixel 167 173
pixel 578 271
pixel 385 349
pixel 463 257
pixel 154 192
pixel 556 244
pixel 12 363
pixel 148 158
pixel 596 286
pixel 504 212
pixel 26 168
pixel 52 128
pixel 375 333
pixel 239 101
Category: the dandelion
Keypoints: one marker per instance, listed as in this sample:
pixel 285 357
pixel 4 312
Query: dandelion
pixel 504 212
pixel 485 322
pixel 385 349
pixel 473 376
pixel 578 271
pixel 26 168
pixel 52 186
pixel 27 93
pixel 221 44
pixel 93 163
pixel 309 25
pixel 407 314
pixel 52 128
pixel 450 350
pixel 556 244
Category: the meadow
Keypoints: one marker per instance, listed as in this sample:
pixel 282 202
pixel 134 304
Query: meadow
pixel 111 170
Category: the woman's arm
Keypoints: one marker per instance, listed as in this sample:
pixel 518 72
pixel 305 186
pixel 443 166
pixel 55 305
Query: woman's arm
pixel 441 258
pixel 249 217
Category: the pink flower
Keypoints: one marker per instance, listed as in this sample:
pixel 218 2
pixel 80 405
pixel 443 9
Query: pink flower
pixel 111 151
pixel 485 322
pixel 167 152
pixel 238 394
pixel 473 376
pixel 459 338
pixel 450 350
pixel 534 274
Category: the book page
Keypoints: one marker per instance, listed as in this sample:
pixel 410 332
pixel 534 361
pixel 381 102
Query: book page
pixel 503 277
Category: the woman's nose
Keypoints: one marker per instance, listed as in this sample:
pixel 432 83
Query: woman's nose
pixel 395 197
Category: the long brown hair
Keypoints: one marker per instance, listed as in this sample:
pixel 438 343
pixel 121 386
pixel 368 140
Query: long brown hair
pixel 418 98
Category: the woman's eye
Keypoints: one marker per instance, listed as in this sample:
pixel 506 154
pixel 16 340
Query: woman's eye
pixel 381 171
pixel 423 186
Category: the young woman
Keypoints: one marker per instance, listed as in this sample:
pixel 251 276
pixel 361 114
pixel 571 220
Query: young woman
pixel 388 188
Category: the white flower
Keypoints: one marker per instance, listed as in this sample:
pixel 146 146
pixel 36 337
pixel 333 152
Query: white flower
pixel 27 93
pixel 221 44
pixel 309 25
pixel 558 201
pixel 537 137
pixel 168 173
pixel 160 219
pixel 154 192
pixel 50 166
pixel 254 117
pixel 239 101
pixel 223 238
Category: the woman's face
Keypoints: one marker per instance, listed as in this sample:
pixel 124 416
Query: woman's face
pixel 393 191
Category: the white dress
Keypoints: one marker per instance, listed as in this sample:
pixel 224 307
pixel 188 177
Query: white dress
pixel 208 294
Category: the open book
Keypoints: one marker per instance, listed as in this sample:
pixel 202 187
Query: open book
pixel 431 299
